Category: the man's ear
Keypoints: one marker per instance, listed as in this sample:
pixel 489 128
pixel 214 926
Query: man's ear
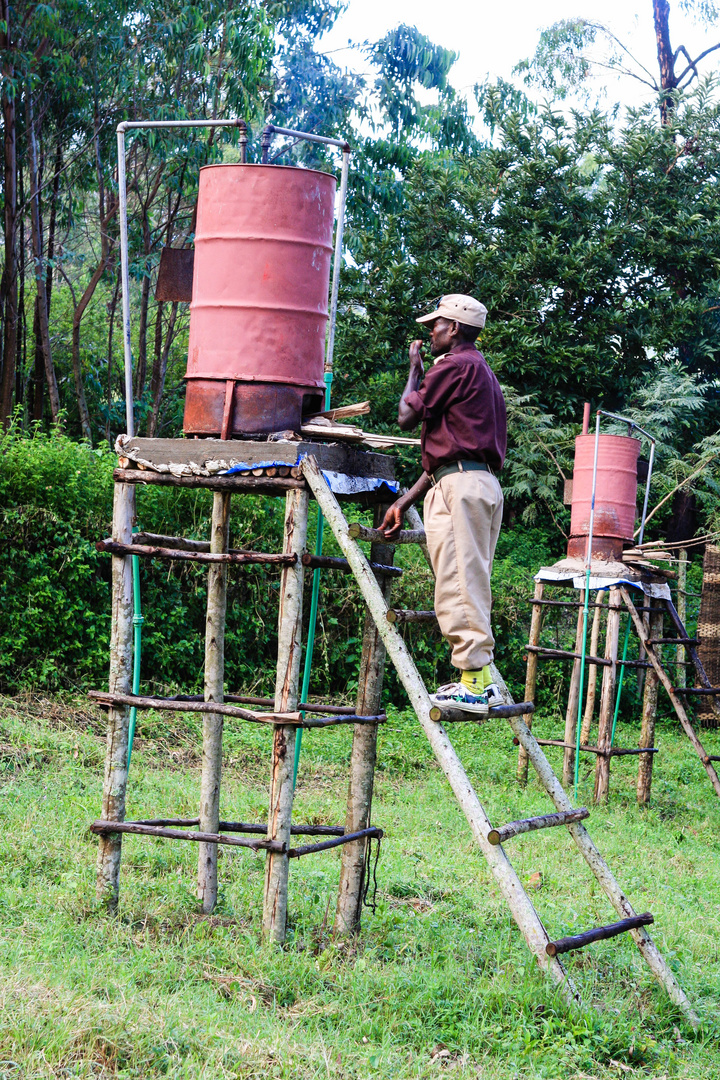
pixel 455 332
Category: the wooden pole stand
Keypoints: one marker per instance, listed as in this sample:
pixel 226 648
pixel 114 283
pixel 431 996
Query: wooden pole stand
pixel 207 883
pixel 536 620
pixel 287 695
pixel 364 752
pixel 121 661
pixel 607 698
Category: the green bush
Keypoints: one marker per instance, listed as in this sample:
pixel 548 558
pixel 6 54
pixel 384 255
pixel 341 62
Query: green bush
pixel 56 502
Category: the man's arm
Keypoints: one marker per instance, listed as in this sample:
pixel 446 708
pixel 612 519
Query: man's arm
pixel 407 417
pixel 392 522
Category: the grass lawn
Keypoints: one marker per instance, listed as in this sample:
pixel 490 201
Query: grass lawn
pixel 440 982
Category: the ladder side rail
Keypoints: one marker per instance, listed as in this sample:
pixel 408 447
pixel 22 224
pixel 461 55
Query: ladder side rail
pixel 647 947
pixel 517 899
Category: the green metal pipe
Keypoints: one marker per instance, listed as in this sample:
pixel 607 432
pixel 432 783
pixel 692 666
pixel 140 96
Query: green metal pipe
pixel 314 600
pixel 582 679
pixel 137 642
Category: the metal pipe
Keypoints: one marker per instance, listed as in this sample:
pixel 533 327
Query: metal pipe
pixel 125 280
pixel 337 263
pixel 631 426
pixel 131 125
pixel 309 137
pixel 647 489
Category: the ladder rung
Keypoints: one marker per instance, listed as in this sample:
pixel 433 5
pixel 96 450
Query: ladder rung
pixel 399 615
pixel 613 751
pixel 451 715
pixel 356 531
pixel 711 757
pixel 545 821
pixel 334 562
pixel 348 838
pixel 714 690
pixel 245 558
pixel 672 641
pixel 565 654
pixel 600 933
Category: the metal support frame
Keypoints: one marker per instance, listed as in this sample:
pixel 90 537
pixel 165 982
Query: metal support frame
pixel 632 426
pixel 132 125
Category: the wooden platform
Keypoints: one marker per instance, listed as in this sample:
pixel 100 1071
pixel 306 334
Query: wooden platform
pixel 202 463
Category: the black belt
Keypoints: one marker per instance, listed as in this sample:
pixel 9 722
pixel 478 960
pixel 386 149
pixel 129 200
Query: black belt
pixel 459 466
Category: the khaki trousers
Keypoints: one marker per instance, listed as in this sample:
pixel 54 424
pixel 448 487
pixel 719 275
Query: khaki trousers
pixel 463 514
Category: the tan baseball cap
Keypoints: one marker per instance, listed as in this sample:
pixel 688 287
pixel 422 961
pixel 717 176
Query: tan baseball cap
pixel 458 308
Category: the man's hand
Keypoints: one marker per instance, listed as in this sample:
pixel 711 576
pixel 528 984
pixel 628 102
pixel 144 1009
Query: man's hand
pixel 417 367
pixel 392 522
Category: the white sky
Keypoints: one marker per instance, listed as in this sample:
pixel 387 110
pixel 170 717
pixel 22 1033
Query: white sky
pixel 492 38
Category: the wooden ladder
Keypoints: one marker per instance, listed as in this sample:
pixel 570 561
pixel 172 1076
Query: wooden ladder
pixel 674 693
pixel 489 839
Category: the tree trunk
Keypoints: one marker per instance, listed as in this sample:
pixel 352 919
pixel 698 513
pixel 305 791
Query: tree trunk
pixel 9 280
pixel 42 307
pixel 111 328
pixel 159 372
pixel 141 370
pixel 666 58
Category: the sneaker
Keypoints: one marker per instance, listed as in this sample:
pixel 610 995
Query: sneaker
pixel 493 695
pixel 456 696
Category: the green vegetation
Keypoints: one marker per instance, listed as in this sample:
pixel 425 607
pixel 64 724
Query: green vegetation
pixel 440 982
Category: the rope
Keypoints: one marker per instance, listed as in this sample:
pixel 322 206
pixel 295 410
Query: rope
pixel 365 876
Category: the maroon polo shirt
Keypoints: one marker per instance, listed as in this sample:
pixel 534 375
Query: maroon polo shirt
pixel 462 409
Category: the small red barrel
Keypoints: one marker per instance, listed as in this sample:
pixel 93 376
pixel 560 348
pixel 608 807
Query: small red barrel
pixel 615 495
pixel 263 246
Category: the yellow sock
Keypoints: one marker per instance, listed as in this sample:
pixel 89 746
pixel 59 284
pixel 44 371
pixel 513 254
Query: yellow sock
pixel 474 680
pixel 487 677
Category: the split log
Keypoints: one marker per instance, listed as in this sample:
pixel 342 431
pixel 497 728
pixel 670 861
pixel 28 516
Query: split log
pixel 287 694
pixel 525 825
pixel 207 884
pixel 607 698
pixel 536 619
pixel 120 682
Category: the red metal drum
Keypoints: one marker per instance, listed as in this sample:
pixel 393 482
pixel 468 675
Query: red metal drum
pixel 263 245
pixel 615 495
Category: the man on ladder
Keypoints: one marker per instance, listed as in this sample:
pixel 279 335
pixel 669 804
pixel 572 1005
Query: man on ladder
pixel 463 443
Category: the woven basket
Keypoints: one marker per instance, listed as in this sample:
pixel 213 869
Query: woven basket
pixel 708 632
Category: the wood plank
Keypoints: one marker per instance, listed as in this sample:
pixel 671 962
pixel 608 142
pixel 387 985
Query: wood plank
pixel 346 459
